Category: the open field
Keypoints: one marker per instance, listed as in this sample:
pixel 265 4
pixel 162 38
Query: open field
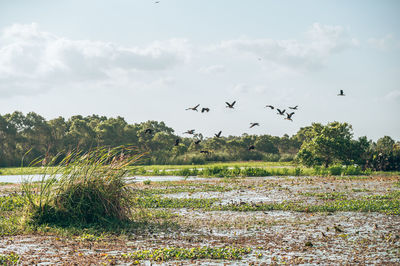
pixel 272 220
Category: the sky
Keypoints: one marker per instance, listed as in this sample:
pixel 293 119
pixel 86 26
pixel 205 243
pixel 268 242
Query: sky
pixel 144 60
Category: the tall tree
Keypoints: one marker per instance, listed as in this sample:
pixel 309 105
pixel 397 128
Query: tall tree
pixel 326 144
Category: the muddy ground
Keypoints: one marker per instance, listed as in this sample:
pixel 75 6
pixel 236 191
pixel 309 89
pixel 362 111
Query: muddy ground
pixel 275 237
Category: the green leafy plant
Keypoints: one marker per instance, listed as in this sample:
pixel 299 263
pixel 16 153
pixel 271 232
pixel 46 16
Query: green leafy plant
pixel 9 259
pixel 165 254
pixel 335 170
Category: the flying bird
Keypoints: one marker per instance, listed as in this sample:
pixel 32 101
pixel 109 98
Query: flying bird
pixel 280 112
pixel 341 93
pixel 269 106
pixel 191 132
pixel 148 131
pixel 230 105
pixel 254 124
pixel 289 116
pixel 218 135
pixel 177 142
pixel 294 108
pixel 193 108
pixel 251 148
pixel 205 152
pixel 205 109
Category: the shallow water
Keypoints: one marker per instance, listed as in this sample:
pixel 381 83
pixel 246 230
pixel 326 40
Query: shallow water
pixel 16 179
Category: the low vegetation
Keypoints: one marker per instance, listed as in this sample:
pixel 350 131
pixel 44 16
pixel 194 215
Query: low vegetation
pixel 84 206
pixel 243 171
pixel 166 254
pixel 9 259
pixel 84 188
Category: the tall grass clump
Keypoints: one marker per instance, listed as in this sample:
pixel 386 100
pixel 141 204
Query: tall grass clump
pixel 84 188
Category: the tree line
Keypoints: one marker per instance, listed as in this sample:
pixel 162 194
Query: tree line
pixel 313 145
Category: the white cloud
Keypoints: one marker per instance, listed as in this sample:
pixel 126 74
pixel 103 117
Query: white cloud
pixel 243 88
pixel 213 69
pixel 34 61
pixel 384 43
pixel 321 42
pixel 31 58
pixel 393 95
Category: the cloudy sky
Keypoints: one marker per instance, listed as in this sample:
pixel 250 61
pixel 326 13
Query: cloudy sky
pixel 150 61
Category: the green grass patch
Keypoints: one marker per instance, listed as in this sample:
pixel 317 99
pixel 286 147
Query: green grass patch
pixel 166 254
pixel 391 207
pixel 360 190
pixel 171 190
pixel 325 195
pixel 352 177
pixel 389 204
pixel 225 171
pixel 9 259
pixel 11 202
pixel 10 224
pixel 33 170
pixel 161 202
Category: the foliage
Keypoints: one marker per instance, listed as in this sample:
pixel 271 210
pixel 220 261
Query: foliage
pixel 165 254
pixel 312 145
pixel 20 133
pixel 9 259
pixel 85 188
pixel 326 144
pixel 10 203
pixel 161 202
pixel 335 170
pixel 384 155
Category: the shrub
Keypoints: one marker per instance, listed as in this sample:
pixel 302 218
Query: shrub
pixel 286 158
pixel 352 170
pixel 184 172
pixel 335 170
pixel 84 188
pixel 298 171
pixel 271 157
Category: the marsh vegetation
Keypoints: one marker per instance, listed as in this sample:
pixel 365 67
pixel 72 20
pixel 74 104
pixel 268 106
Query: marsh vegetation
pixel 269 219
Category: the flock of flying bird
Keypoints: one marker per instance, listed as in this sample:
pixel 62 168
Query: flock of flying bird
pixel 231 106
pixel 281 112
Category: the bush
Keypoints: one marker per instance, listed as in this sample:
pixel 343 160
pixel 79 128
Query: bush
pixel 352 170
pixel 84 188
pixel 271 157
pixel 335 170
pixel 321 171
pixel 216 171
pixel 286 158
pixel 185 172
pixel 298 171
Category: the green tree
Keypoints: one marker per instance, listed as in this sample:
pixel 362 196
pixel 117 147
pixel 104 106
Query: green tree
pixel 326 144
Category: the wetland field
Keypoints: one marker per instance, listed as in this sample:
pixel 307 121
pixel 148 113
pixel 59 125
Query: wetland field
pixel 223 221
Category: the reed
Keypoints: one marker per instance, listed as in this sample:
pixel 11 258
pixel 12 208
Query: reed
pixel 83 188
